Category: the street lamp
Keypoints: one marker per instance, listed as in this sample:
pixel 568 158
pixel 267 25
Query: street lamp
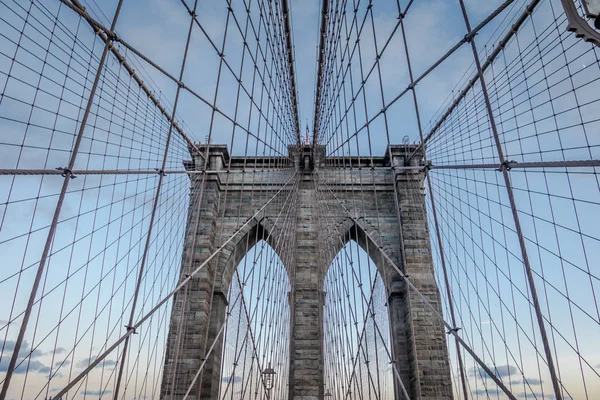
pixel 269 377
pixel 578 24
pixel 592 10
pixel 328 394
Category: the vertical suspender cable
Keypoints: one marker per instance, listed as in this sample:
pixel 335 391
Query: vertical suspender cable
pixel 515 212
pixel 67 175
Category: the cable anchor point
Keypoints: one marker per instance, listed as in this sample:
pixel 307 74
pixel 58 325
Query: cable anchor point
pixel 131 329
pixel 65 172
pixel 469 37
pixel 506 165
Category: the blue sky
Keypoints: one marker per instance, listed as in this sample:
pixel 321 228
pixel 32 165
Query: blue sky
pixel 547 113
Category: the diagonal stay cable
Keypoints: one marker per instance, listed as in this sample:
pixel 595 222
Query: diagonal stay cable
pixel 436 313
pixel 57 211
pixel 107 35
pixel 488 62
pixel 459 44
pixel 182 284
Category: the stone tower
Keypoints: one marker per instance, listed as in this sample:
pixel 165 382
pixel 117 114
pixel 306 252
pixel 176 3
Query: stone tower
pixel 418 338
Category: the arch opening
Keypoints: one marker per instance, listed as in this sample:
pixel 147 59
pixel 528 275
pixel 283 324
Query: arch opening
pixel 356 327
pixel 256 333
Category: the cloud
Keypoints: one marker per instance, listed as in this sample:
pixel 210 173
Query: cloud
pixel 501 371
pixel 483 392
pixel 492 391
pixel 87 361
pixel 10 345
pixel 23 366
pixel 24 351
pixel 31 366
pixel 95 392
pixel 235 379
pixel 534 381
pixel 534 395
pixel 29 362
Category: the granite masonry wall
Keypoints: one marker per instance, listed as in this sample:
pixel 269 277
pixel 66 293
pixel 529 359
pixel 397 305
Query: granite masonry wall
pixel 372 190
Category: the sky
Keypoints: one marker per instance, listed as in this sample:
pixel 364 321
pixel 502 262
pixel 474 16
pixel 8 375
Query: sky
pixel 548 113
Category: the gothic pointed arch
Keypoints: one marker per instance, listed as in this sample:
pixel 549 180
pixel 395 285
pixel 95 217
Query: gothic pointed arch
pixel 256 332
pixel 358 351
pixel 369 272
pixel 234 251
pixel 348 229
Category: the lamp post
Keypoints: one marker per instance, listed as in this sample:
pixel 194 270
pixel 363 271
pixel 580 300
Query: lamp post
pixel 269 378
pixel 328 394
pixel 592 10
pixel 578 23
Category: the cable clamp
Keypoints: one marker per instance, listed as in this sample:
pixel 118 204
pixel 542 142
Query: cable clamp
pixel 529 9
pixel 454 330
pixel 160 171
pixel 506 165
pixel 411 86
pixel 469 37
pixel 66 171
pixel 131 329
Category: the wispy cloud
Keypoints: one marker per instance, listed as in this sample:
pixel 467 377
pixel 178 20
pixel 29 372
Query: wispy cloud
pixel 502 371
pixel 533 395
pixel 95 392
pixel 24 351
pixel 62 363
pixel 534 381
pixel 234 379
pixel 87 361
pixel 30 362
pixel 30 366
